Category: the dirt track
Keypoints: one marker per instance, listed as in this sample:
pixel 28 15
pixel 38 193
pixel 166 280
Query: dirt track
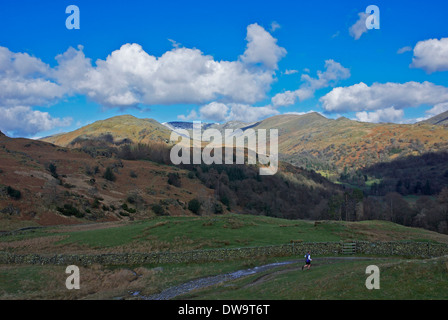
pixel 200 283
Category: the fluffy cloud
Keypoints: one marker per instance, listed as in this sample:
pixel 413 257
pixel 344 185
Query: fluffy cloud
pixel 214 111
pixel 246 113
pixel 289 97
pixel 221 112
pixel 130 76
pixel 262 48
pixel 438 109
pixel 25 80
pixel 23 121
pixel 431 55
pixel 361 97
pixel 382 115
pixel 334 72
pixel 357 30
pixel 193 115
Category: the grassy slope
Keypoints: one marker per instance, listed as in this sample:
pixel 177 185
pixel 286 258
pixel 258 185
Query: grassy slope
pixel 103 282
pixel 186 233
pixel 121 127
pixel 399 279
pixel 339 280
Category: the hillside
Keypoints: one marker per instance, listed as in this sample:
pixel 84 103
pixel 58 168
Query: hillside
pixel 333 146
pixel 318 143
pixel 116 130
pixel 310 140
pixel 422 278
pixel 42 184
pixel 440 119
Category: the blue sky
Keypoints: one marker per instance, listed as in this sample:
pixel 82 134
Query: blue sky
pixel 246 60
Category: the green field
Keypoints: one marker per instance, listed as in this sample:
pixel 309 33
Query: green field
pixel 399 279
pixel 186 233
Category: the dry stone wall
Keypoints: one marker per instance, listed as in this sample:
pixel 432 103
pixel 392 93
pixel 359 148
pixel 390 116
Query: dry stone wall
pixel 406 249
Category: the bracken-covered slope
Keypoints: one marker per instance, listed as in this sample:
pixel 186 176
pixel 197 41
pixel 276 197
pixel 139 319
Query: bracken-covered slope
pixel 46 185
pixel 37 178
pixel 313 141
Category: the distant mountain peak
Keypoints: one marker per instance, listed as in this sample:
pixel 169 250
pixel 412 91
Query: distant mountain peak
pixel 440 119
pixel 343 119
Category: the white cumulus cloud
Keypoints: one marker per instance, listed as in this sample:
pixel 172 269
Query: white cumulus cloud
pixel 382 115
pixel 334 72
pixel 438 109
pixel 214 111
pixel 26 80
pixel 23 121
pixel 220 112
pixel 431 55
pixel 262 48
pixel 130 76
pixel 361 97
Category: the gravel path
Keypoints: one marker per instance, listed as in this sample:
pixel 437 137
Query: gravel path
pixel 200 283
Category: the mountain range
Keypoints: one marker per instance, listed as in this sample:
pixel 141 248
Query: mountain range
pixel 310 141
pixel 119 169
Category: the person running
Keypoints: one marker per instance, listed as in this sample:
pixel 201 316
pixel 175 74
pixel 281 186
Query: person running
pixel 307 261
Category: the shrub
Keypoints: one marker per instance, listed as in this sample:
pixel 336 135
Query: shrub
pixel 225 200
pixel 52 168
pixel 13 193
pixel 96 204
pixel 217 208
pixel 109 175
pixel 131 199
pixel 194 206
pixel 69 210
pixel 174 179
pixel 158 209
pixel 132 174
pixel 125 207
